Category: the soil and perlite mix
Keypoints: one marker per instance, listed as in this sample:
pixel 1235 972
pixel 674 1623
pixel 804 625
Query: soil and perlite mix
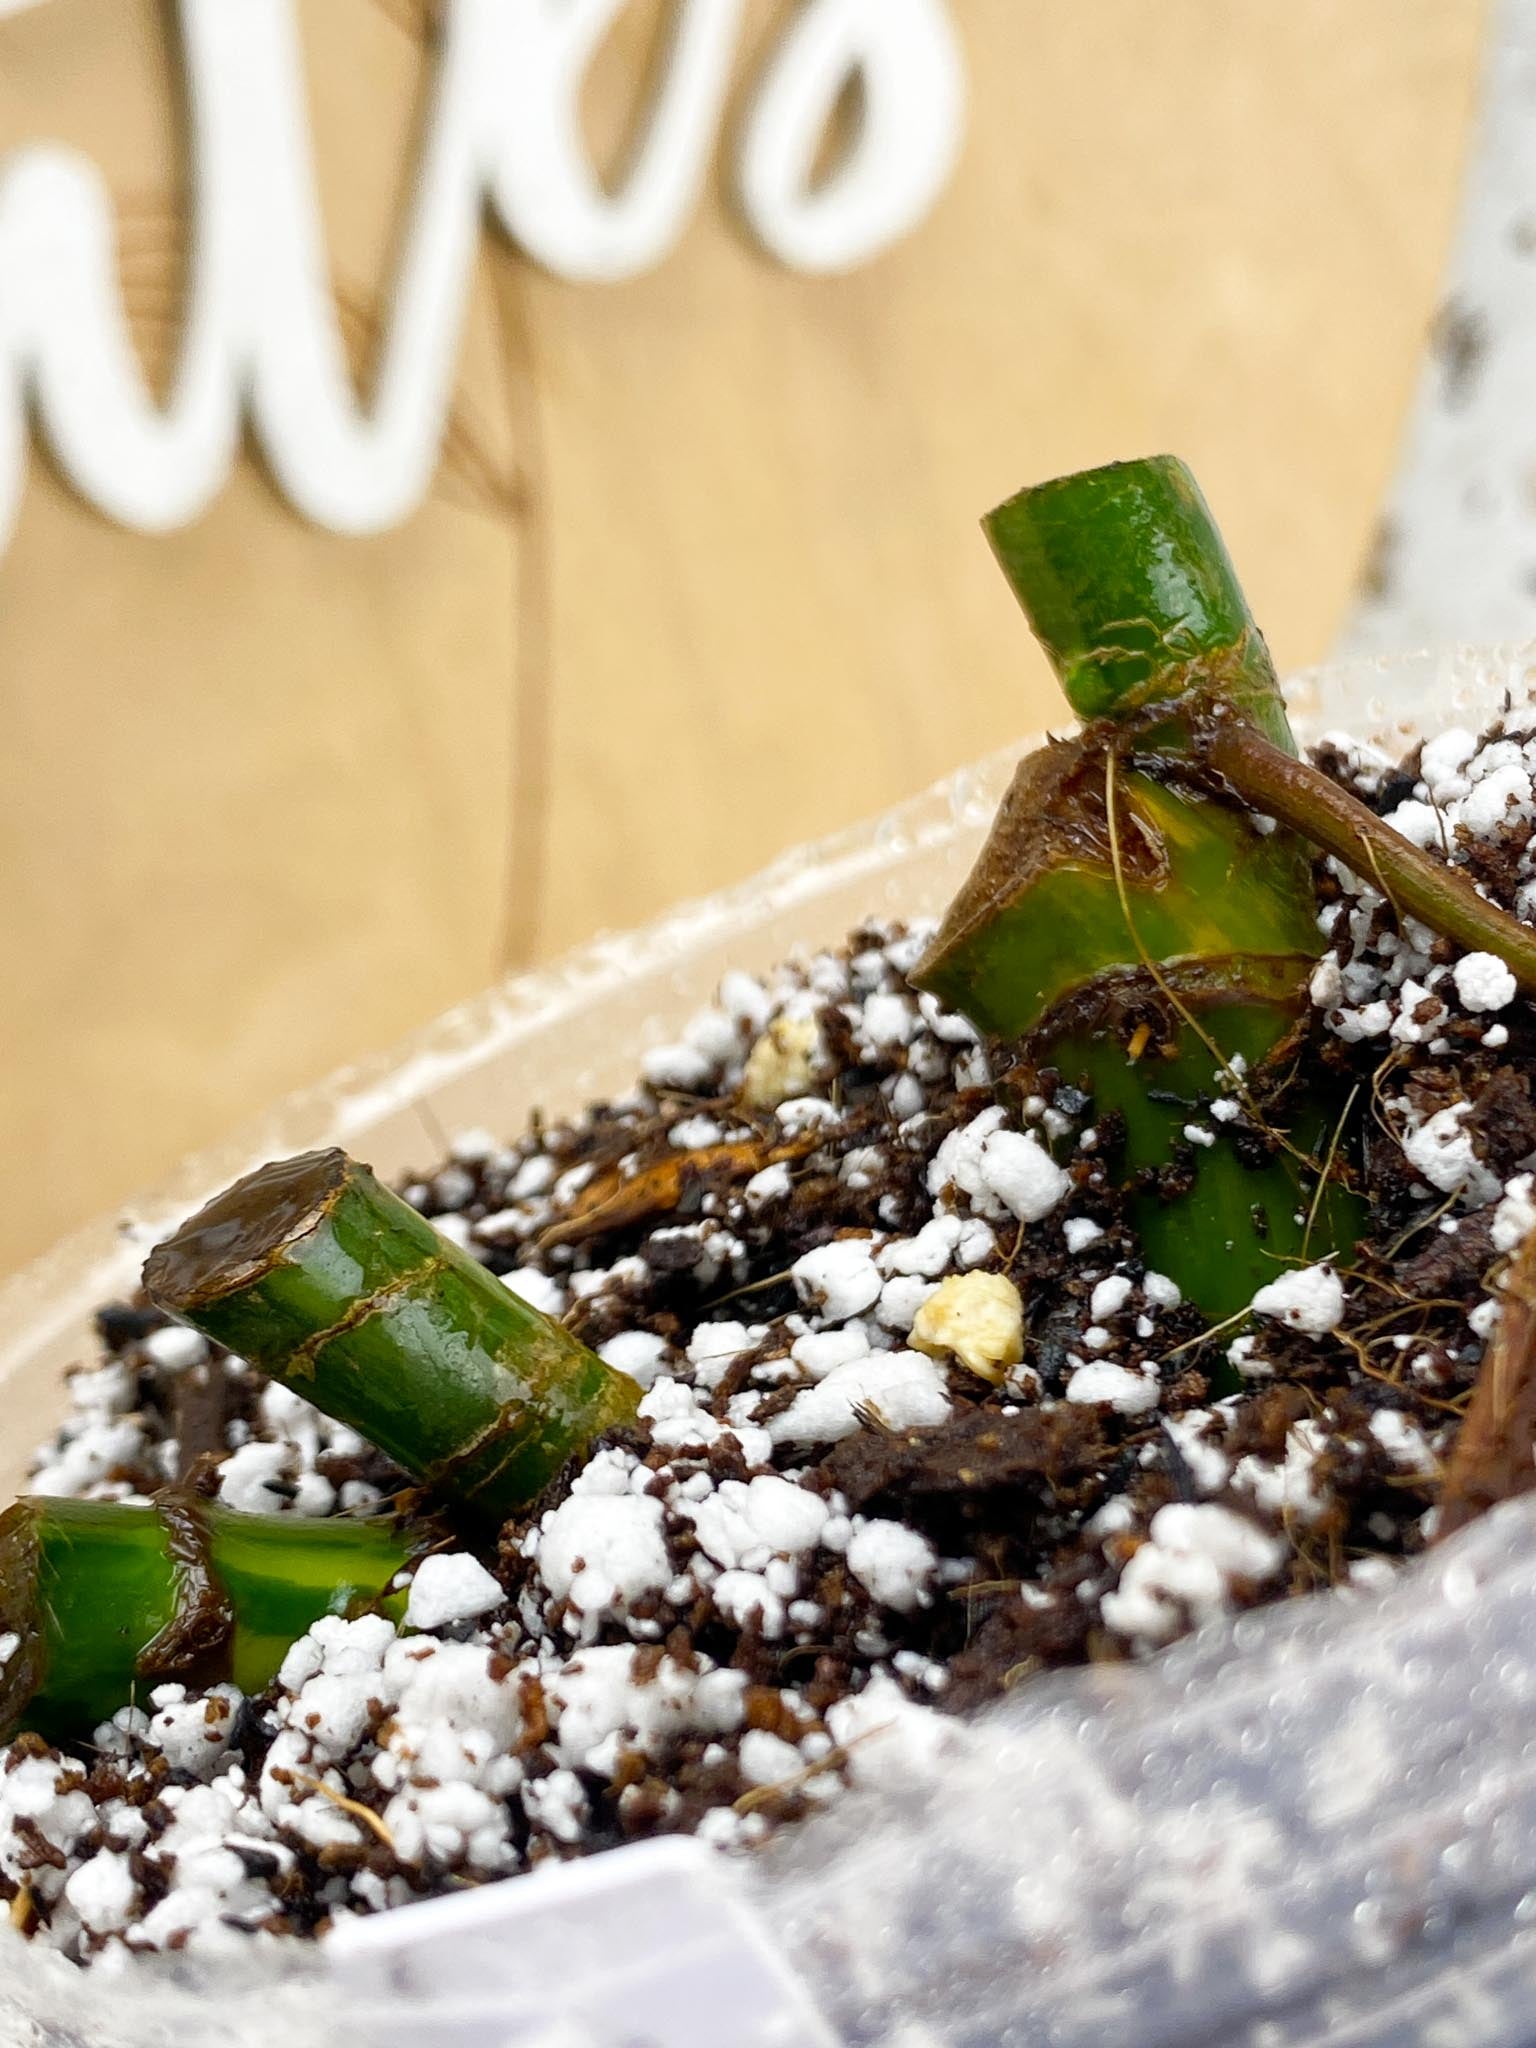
pixel 916 1416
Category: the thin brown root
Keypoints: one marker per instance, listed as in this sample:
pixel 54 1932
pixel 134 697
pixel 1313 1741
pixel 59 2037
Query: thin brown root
pixel 832 1761
pixel 354 1807
pixel 752 1287
pixel 1328 1165
pixel 1205 1336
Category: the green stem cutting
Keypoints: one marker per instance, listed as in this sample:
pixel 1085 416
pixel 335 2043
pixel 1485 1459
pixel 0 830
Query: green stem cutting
pixel 325 1279
pixel 101 1601
pixel 1140 935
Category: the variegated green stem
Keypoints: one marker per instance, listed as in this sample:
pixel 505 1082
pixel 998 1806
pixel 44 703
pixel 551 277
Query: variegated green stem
pixel 324 1279
pixel 1141 936
pixel 100 1602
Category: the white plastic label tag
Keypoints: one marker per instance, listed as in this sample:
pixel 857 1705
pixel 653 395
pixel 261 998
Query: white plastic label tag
pixel 650 1946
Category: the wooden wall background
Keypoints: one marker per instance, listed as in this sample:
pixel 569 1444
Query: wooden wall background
pixel 699 576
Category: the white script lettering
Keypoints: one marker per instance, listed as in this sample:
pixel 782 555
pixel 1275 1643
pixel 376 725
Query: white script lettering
pixel 260 340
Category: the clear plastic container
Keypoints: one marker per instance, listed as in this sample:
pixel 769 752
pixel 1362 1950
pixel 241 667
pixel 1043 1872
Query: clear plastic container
pixel 1317 1825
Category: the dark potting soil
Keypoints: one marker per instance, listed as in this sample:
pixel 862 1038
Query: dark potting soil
pixel 919 1424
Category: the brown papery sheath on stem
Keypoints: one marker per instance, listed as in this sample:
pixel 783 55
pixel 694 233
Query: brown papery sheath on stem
pixel 1495 1454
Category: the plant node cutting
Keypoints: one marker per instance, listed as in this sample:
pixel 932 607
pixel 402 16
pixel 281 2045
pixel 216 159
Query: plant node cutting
pixel 1130 925
pixel 324 1279
pixel 99 1600
pixel 1142 918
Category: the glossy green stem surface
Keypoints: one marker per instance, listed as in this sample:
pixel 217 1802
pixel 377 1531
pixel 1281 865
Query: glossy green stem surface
pixel 1125 579
pixel 102 1602
pixel 1054 956
pixel 325 1279
pixel 1237 1223
pixel 1129 931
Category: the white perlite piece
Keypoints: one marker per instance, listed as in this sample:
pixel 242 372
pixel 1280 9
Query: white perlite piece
pixel 1003 1172
pixel 1195 1556
pixel 1109 1297
pixel 888 1019
pixel 713 1346
pixel 977 1318
pixel 926 1254
pixel 1515 1217
pixel 1420 822
pixel 602 1553
pixel 636 1352
pixel 1441 1149
pixel 1290 1490
pixel 1326 987
pixel 693 1133
pixel 957 1163
pixel 1503 796
pixel 1023 1175
pixel 903 1389
pixel 1127 1392
pixel 450 1586
pixel 1206 1463
pixel 1245 1358
pixel 247 1475
pixel 742 1525
pixel 1443 758
pixel 768 1759
pixel 1483 982
pixel 1161 1291
pixel 1308 1298
pixel 894 1564
pixel 103 1892
pixel 841 1278
pixel 1404 1441
pixel 1482 1320
pixel 1421 1015
pixel 193 1733
pixel 820 1352
pixel 175 1349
